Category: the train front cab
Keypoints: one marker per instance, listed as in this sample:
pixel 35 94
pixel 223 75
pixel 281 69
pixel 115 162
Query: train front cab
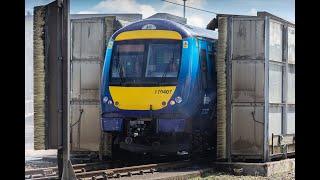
pixel 166 103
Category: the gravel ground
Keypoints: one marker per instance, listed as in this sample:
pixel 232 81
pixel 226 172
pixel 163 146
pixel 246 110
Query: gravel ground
pixel 46 158
pixel 28 133
pixel 40 158
pixel 39 164
pixel 215 176
pixel 223 176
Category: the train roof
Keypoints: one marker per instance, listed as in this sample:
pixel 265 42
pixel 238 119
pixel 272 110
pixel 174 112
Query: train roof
pixel 163 24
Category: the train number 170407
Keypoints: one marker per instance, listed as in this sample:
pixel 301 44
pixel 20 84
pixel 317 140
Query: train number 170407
pixel 162 91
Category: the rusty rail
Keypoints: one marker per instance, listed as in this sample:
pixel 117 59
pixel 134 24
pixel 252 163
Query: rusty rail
pixel 51 172
pixel 84 172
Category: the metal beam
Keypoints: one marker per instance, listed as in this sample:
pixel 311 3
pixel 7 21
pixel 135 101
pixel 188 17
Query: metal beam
pixel 65 167
pixel 284 78
pixel 266 93
pixel 229 86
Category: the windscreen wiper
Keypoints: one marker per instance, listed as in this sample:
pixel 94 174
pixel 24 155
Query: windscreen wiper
pixel 164 75
pixel 120 69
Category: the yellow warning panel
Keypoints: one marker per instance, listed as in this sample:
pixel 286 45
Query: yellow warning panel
pixel 148 34
pixel 141 98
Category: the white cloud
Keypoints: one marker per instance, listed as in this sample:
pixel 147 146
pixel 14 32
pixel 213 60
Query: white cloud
pixel 123 6
pixel 253 12
pixel 147 10
pixel 194 17
pixel 196 21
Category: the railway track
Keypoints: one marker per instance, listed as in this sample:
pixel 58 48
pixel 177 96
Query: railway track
pixel 101 171
pixel 52 172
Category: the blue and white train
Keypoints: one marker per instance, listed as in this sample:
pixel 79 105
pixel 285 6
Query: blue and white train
pixel 158 90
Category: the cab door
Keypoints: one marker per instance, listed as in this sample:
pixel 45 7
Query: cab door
pixel 206 80
pixel 203 125
pixel 208 83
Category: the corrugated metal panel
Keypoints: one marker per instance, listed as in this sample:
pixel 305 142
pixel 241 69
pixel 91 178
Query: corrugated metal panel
pixel 275 120
pixel 86 132
pixel 291 84
pixel 291 120
pixel 291 45
pixel 85 81
pixel 75 80
pixel 87 39
pixel 248 39
pixel 76 40
pixel 247 130
pixel 275 83
pixel 91 120
pixel 93 40
pixel 275 47
pixel 90 76
pixel 75 126
pixel 247 84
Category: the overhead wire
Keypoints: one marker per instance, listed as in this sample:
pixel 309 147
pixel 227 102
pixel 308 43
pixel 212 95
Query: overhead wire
pixel 191 7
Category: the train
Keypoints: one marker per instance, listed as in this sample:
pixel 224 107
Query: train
pixel 159 89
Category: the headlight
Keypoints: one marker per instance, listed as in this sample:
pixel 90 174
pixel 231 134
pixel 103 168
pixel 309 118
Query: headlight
pixel 172 102
pixel 109 102
pixel 178 99
pixel 105 99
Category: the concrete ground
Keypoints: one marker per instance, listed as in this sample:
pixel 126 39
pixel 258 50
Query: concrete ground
pixel 221 176
pixel 28 133
pixel 198 174
pixel 35 158
pixel 40 158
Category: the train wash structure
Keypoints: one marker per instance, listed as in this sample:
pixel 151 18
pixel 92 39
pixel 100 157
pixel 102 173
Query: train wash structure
pixel 256 87
pixel 255 74
pixel 89 36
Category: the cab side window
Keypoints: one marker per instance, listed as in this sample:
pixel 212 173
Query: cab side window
pixel 204 68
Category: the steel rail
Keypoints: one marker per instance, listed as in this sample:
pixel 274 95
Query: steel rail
pixel 104 173
pixel 52 171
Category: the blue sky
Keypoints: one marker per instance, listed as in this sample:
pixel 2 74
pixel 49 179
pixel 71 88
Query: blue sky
pixel 282 8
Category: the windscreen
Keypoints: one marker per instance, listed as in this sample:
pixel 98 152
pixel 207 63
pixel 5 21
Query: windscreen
pixel 145 62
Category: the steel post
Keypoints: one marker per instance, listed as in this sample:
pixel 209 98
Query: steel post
pixel 64 152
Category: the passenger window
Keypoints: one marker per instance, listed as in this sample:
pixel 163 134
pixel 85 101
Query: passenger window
pixel 203 58
pixel 204 67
